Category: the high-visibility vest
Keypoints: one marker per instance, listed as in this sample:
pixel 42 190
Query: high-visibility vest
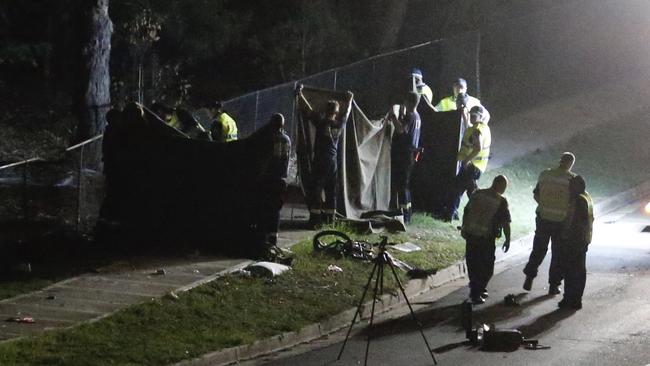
pixel 554 194
pixel 425 91
pixel 447 104
pixel 478 217
pixel 174 122
pixel 467 148
pixel 229 130
pixel 590 214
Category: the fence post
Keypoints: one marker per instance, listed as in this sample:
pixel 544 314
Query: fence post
pixel 79 183
pixel 336 74
pixel 25 192
pixel 257 104
pixel 478 64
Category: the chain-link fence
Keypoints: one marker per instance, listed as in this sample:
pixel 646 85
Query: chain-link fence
pixel 377 82
pixel 65 192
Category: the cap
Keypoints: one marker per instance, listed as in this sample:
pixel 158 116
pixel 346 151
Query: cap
pixel 460 81
pixel 416 72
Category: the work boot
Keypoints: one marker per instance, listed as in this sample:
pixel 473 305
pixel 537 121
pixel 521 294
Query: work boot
pixel 406 212
pixel 566 304
pixel 528 283
pixel 477 300
pixel 554 290
pixel 315 220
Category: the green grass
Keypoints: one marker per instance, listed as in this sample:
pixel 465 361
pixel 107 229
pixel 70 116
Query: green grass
pixel 612 158
pixel 234 311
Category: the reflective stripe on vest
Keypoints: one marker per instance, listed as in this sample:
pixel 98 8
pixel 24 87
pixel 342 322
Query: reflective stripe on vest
pixel 554 194
pixel 590 222
pixel 480 161
pixel 478 219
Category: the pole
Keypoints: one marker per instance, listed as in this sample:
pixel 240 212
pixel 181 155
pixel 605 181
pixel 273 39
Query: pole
pixel 257 104
pixel 478 65
pixel 336 75
pixel 79 179
pixel 25 192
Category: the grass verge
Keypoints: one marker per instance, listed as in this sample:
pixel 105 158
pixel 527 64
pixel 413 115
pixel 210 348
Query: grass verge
pixel 228 312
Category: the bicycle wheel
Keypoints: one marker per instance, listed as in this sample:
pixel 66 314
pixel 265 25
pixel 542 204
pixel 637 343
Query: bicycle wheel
pixel 330 239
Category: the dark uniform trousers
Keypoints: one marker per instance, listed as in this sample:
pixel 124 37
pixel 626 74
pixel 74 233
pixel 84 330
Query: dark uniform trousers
pixel 546 231
pixel 465 182
pixel 573 267
pixel 402 166
pixel 324 170
pixel 479 255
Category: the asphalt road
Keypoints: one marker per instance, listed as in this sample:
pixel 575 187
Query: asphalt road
pixel 613 328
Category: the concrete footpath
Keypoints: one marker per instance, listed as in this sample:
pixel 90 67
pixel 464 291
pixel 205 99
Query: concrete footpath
pixel 91 297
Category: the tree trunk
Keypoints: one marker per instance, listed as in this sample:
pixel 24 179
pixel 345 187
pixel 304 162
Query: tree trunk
pixel 96 98
pixel 393 22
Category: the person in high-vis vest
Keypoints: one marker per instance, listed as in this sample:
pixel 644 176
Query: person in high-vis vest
pixel 552 196
pixel 473 158
pixel 421 88
pixel 576 235
pixel 448 103
pixel 486 215
pixel 224 127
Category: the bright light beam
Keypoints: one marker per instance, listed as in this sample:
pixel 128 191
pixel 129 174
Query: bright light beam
pixel 647 208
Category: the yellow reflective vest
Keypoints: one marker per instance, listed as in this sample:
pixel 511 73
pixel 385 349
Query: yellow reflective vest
pixel 553 185
pixel 228 128
pixel 449 103
pixel 425 91
pixel 478 217
pixel 482 131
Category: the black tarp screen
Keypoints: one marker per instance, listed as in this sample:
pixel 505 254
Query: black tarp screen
pixel 173 189
pixel 434 175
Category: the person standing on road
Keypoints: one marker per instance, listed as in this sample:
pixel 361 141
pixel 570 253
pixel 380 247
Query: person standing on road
pixel 405 145
pixel 329 126
pixel 486 215
pixel 576 236
pixel 552 197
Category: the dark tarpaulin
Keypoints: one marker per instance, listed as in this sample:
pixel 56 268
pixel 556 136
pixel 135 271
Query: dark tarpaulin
pixel 434 175
pixel 166 187
pixel 364 156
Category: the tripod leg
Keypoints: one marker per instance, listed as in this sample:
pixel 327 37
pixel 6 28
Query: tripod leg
pixel 380 274
pixel 399 283
pixel 365 291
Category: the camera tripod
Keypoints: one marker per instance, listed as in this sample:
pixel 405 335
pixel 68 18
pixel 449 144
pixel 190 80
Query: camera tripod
pixel 382 259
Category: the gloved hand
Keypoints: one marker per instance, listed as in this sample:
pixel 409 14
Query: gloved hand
pixel 506 246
